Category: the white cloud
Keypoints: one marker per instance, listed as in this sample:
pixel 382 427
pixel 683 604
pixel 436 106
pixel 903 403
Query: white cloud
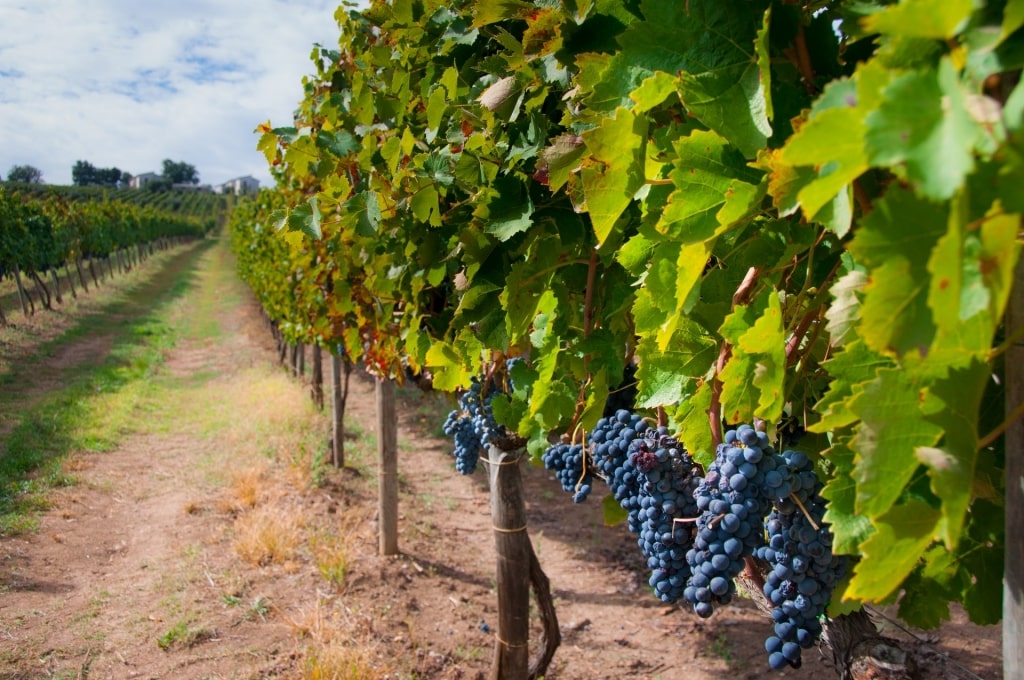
pixel 126 83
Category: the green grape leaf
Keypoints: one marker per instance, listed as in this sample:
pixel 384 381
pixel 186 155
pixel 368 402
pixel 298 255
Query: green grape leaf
pixel 739 394
pixel 753 377
pixel 851 369
pixel 722 86
pixel 712 181
pixel 939 19
pixel 526 285
pixel 424 205
pixel 766 343
pixel 613 169
pixel 614 514
pixel 901 536
pixel 505 209
pixel 341 143
pixel 849 527
pixel 654 90
pixel 684 289
pixel 486 12
pixel 953 403
pixel 894 243
pixel 923 128
pixel 832 141
pixel 981 561
pixel 300 153
pixel 844 312
pixel 694 430
pixel 891 430
pixel 665 375
pixel 1013 17
pixel 764 62
pixel 304 218
pixel 447 366
pixel 437 106
pixel 927 592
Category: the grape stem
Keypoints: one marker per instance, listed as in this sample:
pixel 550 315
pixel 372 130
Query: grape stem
pixel 799 504
pixel 715 520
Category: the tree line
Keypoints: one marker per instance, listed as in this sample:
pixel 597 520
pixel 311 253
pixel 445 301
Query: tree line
pixel 84 173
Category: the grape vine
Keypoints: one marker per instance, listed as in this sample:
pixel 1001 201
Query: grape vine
pixel 771 210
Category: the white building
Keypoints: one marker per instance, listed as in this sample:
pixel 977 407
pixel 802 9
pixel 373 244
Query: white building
pixel 142 179
pixel 239 185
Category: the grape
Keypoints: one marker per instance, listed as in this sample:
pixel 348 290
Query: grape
pixel 804 570
pixel 666 479
pixel 472 426
pixel 569 465
pixel 733 501
pixel 467 443
pixel 609 443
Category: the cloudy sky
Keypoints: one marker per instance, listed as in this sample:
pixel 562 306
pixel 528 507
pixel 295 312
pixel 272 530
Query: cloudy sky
pixel 128 83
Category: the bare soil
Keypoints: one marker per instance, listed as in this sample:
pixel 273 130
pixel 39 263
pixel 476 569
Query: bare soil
pixel 133 572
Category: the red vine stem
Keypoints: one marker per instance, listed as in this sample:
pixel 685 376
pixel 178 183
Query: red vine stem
pixel 798 335
pixel 801 58
pixel 588 327
pixel 740 297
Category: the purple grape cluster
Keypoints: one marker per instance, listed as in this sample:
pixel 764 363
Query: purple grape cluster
pixel 569 463
pixel 472 426
pixel 803 569
pixel 610 442
pixel 667 478
pixel 732 504
pixel 467 426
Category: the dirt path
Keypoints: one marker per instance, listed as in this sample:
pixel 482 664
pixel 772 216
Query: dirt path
pixel 148 566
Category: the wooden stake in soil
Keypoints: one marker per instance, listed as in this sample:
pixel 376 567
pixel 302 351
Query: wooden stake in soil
pixel 512 545
pixel 81 276
pixel 56 286
pixel 316 381
pixel 387 455
pixel 71 280
pixel 23 297
pixel 340 372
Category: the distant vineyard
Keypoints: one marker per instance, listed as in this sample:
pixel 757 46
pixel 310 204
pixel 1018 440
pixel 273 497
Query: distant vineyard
pixel 45 229
pixel 210 208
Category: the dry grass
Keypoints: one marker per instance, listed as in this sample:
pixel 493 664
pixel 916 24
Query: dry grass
pixel 332 553
pixel 334 650
pixel 338 661
pixel 268 535
pixel 245 489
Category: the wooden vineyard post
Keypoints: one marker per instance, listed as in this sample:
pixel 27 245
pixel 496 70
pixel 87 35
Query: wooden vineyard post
pixel 316 382
pixel 340 372
pixel 387 456
pixel 22 293
pixel 512 546
pixel 71 281
pixel 518 569
pixel 56 286
pixel 81 276
pixel 1013 569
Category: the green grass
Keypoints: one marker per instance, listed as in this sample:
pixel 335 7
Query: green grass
pixel 183 634
pixel 95 403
